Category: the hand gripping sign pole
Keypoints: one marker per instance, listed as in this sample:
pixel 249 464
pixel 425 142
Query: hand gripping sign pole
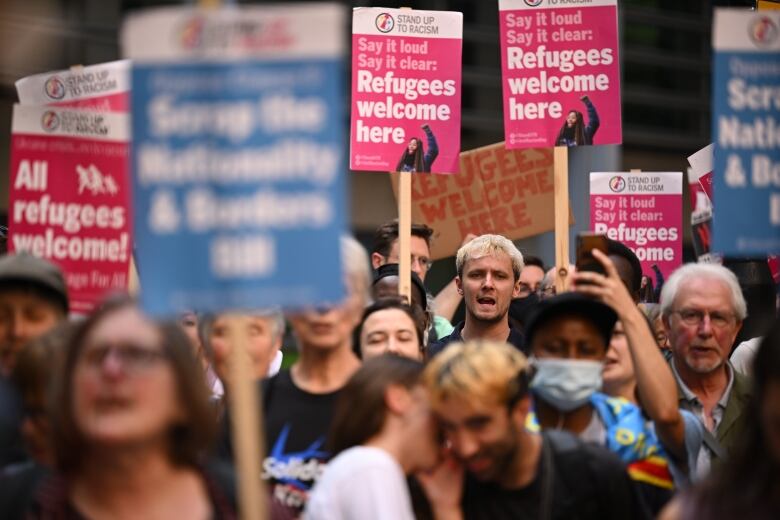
pixel 561 192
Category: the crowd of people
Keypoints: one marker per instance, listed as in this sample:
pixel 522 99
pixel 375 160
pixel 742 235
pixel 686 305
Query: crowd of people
pixel 613 399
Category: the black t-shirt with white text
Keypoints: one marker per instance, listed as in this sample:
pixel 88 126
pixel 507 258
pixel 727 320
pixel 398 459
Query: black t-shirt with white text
pixel 296 426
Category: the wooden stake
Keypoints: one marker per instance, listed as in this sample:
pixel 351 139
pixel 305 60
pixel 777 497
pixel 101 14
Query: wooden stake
pixel 561 192
pixel 405 235
pixel 246 431
pixel 405 230
pixel 133 282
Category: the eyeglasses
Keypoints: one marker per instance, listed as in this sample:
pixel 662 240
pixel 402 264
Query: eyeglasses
pixel 133 358
pixel 695 317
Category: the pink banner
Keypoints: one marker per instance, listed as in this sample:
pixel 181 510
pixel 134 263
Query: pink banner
pixel 406 88
pixel 643 211
pixel 69 196
pixel 560 73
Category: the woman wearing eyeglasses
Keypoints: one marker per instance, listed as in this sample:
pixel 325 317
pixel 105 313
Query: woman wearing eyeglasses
pixel 131 420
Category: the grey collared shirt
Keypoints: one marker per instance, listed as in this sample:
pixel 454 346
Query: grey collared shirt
pixel 693 404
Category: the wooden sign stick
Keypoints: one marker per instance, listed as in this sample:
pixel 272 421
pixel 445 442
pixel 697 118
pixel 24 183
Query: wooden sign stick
pixel 246 430
pixel 561 192
pixel 405 231
pixel 245 417
pixel 405 235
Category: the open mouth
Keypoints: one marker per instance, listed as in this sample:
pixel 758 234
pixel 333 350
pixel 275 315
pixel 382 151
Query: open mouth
pixel 486 300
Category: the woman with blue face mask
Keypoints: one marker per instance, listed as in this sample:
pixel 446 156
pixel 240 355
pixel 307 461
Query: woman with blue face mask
pixel 569 338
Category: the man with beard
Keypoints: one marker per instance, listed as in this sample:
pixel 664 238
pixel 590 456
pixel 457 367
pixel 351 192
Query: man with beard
pixel 479 393
pixel 703 308
pixel 488 278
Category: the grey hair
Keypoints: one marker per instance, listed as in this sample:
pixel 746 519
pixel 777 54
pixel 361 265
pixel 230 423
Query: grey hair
pixel 357 267
pixel 708 271
pixel 485 245
pixel 206 326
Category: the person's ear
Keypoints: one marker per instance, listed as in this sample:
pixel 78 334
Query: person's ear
pixel 397 399
pixel 459 285
pixel 516 289
pixel 521 409
pixel 377 260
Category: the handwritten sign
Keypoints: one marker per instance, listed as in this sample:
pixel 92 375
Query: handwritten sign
pixel 509 192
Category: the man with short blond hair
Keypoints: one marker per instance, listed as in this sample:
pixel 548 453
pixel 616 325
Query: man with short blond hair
pixel 479 394
pixel 488 278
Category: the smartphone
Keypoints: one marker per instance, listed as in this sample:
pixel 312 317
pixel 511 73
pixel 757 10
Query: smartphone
pixel 587 242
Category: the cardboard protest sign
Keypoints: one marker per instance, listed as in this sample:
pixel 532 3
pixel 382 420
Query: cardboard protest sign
pixel 643 211
pixel 69 199
pixel 104 87
pixel 509 192
pixel 746 130
pixel 406 85
pixel 238 169
pixel 560 62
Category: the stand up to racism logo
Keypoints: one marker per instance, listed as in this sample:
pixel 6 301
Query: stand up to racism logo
pixel 54 88
pixel 385 23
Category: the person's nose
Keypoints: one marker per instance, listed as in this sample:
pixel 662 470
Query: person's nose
pixel 705 327
pixel 20 327
pixel 464 444
pixel 393 346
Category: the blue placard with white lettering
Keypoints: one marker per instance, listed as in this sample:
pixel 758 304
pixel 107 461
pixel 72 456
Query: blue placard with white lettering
pixel 746 131
pixel 238 156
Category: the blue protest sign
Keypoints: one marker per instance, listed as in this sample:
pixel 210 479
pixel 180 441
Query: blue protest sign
pixel 237 160
pixel 746 131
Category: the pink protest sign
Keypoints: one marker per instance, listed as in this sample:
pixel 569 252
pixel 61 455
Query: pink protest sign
pixel 406 85
pixel 69 198
pixel 643 211
pixel 560 73
pixel 104 87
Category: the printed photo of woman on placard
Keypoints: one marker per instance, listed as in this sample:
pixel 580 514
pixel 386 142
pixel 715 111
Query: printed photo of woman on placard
pixel 574 132
pixel 415 158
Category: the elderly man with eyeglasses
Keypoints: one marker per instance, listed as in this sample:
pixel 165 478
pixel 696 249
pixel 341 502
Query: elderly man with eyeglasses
pixel 703 308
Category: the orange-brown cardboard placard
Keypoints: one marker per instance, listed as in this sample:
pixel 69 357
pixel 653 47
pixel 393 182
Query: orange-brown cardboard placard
pixel 507 192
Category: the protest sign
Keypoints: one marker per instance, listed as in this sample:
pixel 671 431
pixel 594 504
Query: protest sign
pixel 103 87
pixel 69 199
pixel 560 62
pixel 701 166
pixel 643 210
pixel 701 220
pixel 238 171
pixel 406 87
pixel 509 192
pixel 746 130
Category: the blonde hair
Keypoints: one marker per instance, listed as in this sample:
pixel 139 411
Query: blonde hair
pixel 485 245
pixel 477 371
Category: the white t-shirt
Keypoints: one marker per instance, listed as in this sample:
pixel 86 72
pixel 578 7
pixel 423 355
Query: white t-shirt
pixel 360 483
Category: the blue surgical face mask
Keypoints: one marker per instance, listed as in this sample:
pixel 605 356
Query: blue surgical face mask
pixel 566 384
